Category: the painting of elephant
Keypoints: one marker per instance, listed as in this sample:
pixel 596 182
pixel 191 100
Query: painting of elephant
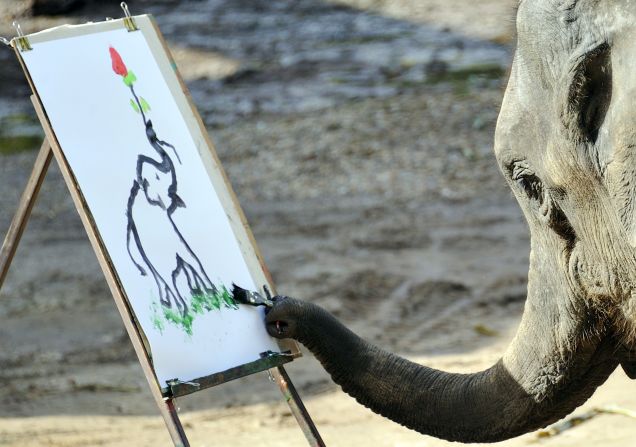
pixel 174 267
pixel 154 192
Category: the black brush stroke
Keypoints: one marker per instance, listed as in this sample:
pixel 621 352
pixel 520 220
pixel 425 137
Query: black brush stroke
pixel 196 277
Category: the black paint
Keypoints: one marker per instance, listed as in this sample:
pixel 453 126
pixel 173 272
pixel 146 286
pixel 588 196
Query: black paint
pixel 187 263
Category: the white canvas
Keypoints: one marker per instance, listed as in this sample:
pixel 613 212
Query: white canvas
pixel 92 111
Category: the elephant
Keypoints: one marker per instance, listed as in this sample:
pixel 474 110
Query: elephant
pixel 174 266
pixel 565 141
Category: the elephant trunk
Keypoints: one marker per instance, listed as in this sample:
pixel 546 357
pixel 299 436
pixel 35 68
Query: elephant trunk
pixel 539 380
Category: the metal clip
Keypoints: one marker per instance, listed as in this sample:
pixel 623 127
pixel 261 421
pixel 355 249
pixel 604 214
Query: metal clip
pixel 272 354
pixel 266 354
pixel 129 21
pixel 176 382
pixel 21 40
pixel 5 41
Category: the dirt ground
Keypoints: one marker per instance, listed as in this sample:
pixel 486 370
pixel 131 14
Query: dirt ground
pixel 358 136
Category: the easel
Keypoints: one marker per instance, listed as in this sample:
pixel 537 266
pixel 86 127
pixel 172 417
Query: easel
pixel 165 398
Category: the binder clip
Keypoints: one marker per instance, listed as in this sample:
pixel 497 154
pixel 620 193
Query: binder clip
pixel 129 21
pixel 21 40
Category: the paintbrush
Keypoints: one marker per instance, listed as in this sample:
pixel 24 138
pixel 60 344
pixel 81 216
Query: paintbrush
pixel 244 296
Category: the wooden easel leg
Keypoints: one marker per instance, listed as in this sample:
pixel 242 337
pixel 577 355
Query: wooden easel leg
pixel 19 222
pixel 297 407
pixel 180 435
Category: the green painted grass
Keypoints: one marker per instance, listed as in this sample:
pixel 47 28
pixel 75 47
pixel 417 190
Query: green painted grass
pixel 200 304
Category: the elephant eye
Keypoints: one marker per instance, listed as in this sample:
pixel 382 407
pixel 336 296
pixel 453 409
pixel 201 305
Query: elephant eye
pixel 531 185
pixel 542 198
pixel 527 181
pixel 591 91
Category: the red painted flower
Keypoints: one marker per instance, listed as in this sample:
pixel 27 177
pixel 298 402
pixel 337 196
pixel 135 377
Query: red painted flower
pixel 118 64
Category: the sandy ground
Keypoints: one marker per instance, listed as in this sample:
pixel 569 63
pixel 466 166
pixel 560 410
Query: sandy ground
pixel 358 136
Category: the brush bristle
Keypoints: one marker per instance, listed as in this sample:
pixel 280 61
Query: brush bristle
pixel 240 294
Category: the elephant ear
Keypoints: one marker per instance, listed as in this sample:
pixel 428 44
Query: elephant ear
pixel 178 201
pixel 630 368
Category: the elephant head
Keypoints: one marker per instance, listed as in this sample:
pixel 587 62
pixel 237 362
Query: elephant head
pixel 566 144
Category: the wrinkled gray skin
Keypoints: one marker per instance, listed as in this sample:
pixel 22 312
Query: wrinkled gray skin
pixel 566 143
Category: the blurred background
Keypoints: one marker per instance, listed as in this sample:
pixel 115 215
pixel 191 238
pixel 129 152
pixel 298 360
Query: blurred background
pixel 358 137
